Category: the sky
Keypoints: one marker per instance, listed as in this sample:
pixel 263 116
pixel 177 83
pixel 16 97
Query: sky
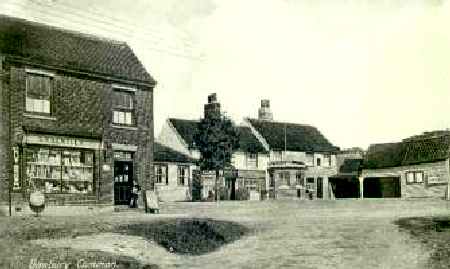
pixel 361 71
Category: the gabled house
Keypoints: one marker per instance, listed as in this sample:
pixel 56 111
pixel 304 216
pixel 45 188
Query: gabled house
pixel 249 161
pixel 301 159
pixel 173 172
pixel 416 167
pixel 77 116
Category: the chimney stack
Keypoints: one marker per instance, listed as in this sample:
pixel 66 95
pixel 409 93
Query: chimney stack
pixel 264 112
pixel 212 108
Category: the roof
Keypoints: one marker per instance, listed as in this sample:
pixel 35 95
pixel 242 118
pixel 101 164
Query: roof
pixel 58 48
pixel 350 166
pixel 163 153
pixel 384 155
pixel 187 129
pixel 299 137
pixel 408 152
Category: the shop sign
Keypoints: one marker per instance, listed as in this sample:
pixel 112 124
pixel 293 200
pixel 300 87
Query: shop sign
pixel 436 180
pixel 62 141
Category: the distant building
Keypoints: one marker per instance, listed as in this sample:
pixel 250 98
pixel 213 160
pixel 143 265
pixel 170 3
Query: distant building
pixel 77 116
pixel 173 173
pixel 416 167
pixel 301 159
pixel 345 184
pixel 249 160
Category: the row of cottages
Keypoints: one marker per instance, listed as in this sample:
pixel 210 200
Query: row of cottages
pixel 249 160
pixel 301 160
pixel 416 167
pixel 275 160
pixel 77 116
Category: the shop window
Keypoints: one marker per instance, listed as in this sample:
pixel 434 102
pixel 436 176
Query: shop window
pixel 54 170
pixel 183 175
pixel 300 178
pixel 285 178
pixel 123 110
pixel 161 174
pixel 38 93
pixel 414 177
pixel 251 160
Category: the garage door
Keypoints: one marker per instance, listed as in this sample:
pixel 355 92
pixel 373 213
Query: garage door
pixel 384 187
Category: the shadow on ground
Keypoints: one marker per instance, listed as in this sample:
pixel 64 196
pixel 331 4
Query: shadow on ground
pixel 434 233
pixel 187 236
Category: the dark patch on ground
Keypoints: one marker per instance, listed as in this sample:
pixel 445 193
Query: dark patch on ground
pixel 434 233
pixel 188 236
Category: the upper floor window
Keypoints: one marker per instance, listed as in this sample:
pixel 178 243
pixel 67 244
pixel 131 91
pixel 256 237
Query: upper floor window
pixel 38 93
pixel 161 174
pixel 183 175
pixel 123 107
pixel 251 160
pixel 319 161
pixel 414 177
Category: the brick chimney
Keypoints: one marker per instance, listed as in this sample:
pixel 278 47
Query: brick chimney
pixel 264 112
pixel 212 108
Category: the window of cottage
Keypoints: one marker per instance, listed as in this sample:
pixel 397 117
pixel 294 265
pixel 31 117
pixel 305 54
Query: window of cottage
pixel 414 177
pixel 183 175
pixel 123 107
pixel 38 93
pixel 252 160
pixel 161 174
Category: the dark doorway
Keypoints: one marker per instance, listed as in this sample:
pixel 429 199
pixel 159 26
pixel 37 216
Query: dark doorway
pixel 233 189
pixel 386 187
pixel 319 188
pixel 123 182
pixel 345 187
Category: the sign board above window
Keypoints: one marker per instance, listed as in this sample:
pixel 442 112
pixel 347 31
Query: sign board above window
pixel 61 141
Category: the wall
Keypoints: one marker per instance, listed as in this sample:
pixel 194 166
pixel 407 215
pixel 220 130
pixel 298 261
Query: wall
pixel 170 138
pixel 173 191
pixel 4 134
pixel 435 169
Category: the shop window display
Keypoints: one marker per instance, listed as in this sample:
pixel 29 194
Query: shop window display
pixel 59 170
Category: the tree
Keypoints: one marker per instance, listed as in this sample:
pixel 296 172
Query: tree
pixel 216 139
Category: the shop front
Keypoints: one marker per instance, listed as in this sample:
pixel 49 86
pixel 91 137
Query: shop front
pixel 64 168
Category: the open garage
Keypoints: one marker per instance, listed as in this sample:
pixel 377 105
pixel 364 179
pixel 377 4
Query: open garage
pixel 382 187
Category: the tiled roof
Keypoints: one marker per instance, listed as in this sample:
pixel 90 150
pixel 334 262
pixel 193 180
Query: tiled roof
pixel 41 44
pixel 299 137
pixel 426 150
pixel 408 152
pixel 384 155
pixel 187 129
pixel 162 153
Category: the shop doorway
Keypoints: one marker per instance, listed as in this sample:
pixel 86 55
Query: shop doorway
pixel 319 188
pixel 123 182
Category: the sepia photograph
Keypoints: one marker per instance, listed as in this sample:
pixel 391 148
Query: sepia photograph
pixel 154 134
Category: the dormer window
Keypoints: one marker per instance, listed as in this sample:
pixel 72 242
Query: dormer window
pixel 38 93
pixel 123 107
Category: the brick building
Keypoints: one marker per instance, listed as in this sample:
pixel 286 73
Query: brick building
pixel 417 167
pixel 77 116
